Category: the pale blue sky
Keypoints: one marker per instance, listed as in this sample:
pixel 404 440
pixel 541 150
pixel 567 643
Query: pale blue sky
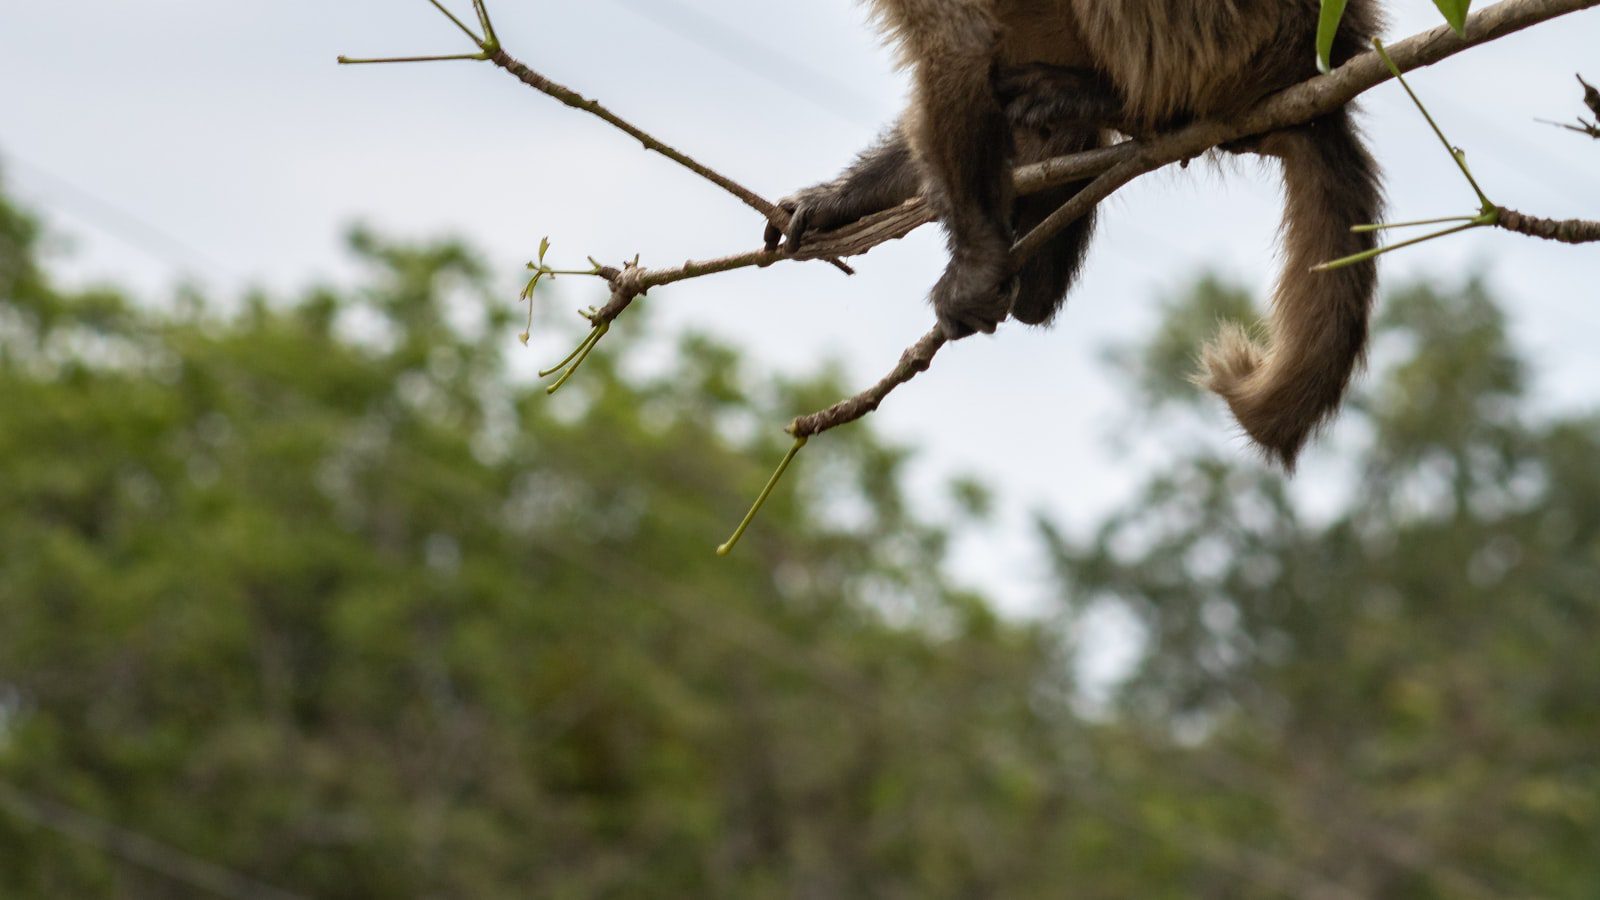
pixel 227 127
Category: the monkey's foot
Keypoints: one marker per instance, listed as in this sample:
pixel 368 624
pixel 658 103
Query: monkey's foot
pixel 972 298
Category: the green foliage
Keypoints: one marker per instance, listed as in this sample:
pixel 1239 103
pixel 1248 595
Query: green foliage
pixel 1328 29
pixel 1385 694
pixel 1455 12
pixel 319 593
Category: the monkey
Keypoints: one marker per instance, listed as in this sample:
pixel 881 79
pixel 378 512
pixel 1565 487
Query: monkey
pixel 1001 82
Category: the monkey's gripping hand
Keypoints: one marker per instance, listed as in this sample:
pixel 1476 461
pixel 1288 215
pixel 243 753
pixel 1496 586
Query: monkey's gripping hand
pixel 976 291
pixel 815 210
pixel 882 177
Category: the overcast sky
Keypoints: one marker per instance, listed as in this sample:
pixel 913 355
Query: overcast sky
pixel 220 141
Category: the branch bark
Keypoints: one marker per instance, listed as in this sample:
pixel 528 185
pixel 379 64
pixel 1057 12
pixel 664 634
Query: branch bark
pixel 1566 231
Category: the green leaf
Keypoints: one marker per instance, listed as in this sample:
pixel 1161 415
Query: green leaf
pixel 1455 12
pixel 1327 29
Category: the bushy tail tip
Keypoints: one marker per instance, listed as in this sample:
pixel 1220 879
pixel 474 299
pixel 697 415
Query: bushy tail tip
pixel 1228 361
pixel 1231 366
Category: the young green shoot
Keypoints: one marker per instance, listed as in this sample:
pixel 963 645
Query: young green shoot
pixel 1386 226
pixel 491 41
pixel 458 23
pixel 542 271
pixel 761 500
pixel 452 57
pixel 1456 153
pixel 1373 254
pixel 569 366
pixel 488 43
pixel 1488 213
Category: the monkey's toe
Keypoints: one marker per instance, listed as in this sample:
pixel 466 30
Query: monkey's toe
pixel 794 236
pixel 776 234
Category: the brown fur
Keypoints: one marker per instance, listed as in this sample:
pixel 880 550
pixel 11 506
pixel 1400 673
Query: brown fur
pixel 998 79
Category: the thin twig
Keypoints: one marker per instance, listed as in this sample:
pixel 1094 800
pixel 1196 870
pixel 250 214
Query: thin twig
pixel 917 358
pixel 769 210
pixel 1582 127
pixel 1591 99
pixel 913 362
pixel 1456 156
pixel 1080 205
pixel 1566 231
pixel 577 101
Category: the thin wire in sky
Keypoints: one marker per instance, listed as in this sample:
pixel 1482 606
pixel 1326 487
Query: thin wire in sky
pixel 763 60
pixel 117 222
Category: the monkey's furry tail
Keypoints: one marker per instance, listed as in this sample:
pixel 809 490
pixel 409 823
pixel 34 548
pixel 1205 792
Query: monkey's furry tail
pixel 1283 391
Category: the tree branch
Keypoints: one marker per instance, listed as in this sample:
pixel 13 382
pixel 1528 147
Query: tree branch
pixel 1566 231
pixel 913 362
pixel 1116 166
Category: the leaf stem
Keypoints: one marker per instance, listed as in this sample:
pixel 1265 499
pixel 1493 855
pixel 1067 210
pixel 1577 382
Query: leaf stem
pixel 491 39
pixel 761 501
pixel 1385 226
pixel 582 353
pixel 1483 199
pixel 354 61
pixel 587 340
pixel 459 24
pixel 1478 222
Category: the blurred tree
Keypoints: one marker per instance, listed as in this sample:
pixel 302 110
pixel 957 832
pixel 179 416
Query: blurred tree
pixel 319 596
pixel 1397 697
pixel 318 593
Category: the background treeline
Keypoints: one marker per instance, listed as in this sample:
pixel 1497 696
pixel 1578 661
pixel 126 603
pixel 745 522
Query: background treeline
pixel 314 592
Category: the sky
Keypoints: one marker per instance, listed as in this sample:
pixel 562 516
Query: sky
pixel 218 143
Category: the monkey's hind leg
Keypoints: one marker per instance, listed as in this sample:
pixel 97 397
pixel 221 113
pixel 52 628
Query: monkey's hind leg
pixel 962 144
pixel 1045 278
pixel 1045 99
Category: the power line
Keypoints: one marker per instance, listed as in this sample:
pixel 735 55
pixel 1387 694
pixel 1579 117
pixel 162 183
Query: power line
pixel 760 59
pixel 126 226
